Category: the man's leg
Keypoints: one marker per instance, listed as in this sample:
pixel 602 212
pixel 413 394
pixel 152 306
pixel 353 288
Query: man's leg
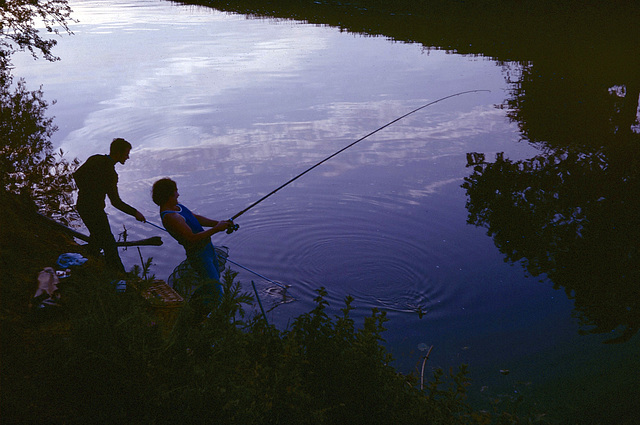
pixel 102 238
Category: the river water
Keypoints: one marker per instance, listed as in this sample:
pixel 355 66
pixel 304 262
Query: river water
pixel 231 108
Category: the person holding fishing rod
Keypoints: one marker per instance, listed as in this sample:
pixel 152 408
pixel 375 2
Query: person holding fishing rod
pixel 188 229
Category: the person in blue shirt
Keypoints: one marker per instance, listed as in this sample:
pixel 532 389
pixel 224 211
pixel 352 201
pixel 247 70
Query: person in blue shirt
pixel 189 230
pixel 96 179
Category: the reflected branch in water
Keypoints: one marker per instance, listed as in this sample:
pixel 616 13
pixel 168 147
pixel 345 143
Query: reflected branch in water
pixel 571 212
pixel 572 216
pixel 555 108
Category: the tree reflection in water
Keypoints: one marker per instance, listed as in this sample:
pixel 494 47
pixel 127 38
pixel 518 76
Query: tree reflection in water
pixel 571 212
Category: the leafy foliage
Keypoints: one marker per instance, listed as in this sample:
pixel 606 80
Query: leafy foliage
pixel 18 29
pixel 28 162
pixel 29 165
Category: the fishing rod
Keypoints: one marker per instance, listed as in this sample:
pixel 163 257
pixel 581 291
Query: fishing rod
pixel 235 226
pixel 285 287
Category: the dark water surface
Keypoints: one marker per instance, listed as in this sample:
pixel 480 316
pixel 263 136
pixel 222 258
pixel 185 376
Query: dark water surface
pixel 501 227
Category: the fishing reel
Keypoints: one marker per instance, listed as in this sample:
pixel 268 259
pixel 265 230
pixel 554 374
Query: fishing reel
pixel 233 227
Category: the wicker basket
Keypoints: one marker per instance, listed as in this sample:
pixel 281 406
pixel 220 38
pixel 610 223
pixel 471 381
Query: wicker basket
pixel 164 302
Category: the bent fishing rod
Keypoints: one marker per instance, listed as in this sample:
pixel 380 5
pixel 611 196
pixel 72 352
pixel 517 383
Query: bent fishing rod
pixel 235 226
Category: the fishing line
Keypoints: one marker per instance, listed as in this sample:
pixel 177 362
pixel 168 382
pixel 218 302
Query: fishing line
pixel 259 275
pixel 238 214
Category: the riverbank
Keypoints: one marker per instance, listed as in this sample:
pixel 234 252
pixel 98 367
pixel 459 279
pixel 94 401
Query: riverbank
pixel 28 245
pixel 32 340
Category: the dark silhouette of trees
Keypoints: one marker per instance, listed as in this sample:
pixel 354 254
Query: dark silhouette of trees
pixel 572 215
pixel 18 26
pixel 28 164
pixel 571 211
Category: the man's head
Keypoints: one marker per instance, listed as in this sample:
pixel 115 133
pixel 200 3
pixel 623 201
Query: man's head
pixel 163 190
pixel 119 150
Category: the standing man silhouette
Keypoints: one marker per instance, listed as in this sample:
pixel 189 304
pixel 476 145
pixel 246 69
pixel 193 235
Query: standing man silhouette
pixel 97 178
